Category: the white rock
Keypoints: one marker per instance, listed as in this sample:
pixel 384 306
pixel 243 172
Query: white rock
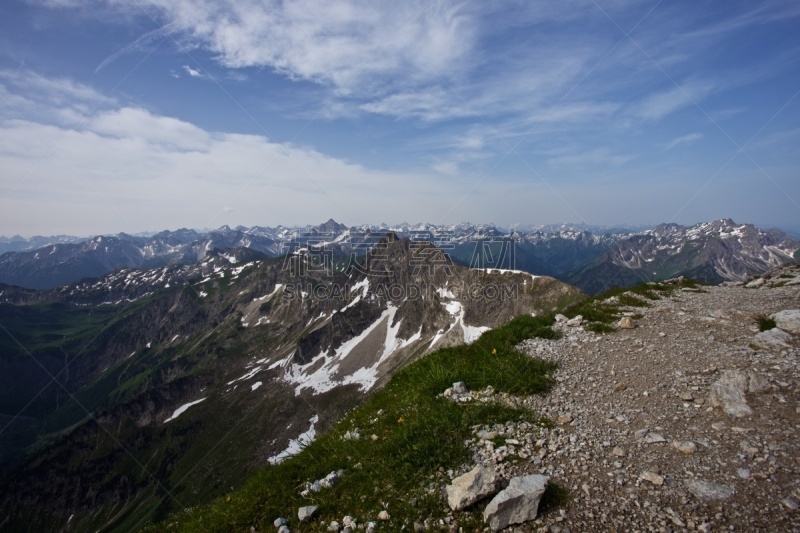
pixel 653 478
pixel 706 490
pixel 626 322
pixel 653 438
pixel 788 320
pixel 471 487
pixel 517 503
pixel 304 514
pixel 773 339
pixel 687 447
pixel 729 393
pixel 575 322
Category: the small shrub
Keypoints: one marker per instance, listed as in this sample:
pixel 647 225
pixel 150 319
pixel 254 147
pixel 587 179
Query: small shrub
pixel 599 327
pixel 630 300
pixel 765 323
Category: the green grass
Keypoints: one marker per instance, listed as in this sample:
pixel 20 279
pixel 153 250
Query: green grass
pixel 602 313
pixel 418 435
pixel 765 323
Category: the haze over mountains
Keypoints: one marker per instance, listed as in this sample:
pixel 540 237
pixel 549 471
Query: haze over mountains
pixel 590 257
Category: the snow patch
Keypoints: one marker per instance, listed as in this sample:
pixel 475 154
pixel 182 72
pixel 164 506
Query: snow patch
pixel 322 379
pixel 504 271
pixel 249 375
pixel 182 409
pixel 255 385
pixel 296 445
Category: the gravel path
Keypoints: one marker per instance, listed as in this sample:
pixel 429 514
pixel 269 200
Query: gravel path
pixel 638 442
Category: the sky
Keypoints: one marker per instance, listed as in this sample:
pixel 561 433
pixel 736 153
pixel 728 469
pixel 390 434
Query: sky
pixel 144 115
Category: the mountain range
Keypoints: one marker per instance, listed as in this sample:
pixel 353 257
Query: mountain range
pixel 132 395
pixel 591 258
pixel 152 373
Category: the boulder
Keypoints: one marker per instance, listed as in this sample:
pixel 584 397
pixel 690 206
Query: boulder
pixel 788 320
pixel 471 487
pixel 625 322
pixel 517 503
pixel 729 393
pixel 773 339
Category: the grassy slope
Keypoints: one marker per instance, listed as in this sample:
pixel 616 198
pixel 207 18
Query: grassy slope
pixel 417 435
pixel 603 310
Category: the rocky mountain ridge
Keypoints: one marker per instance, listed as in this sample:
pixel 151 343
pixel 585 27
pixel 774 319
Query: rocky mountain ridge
pixel 592 258
pixel 712 252
pixel 155 366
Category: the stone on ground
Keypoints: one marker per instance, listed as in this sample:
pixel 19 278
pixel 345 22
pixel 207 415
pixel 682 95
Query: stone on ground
pixel 729 393
pixel 471 487
pixel 788 320
pixel 517 503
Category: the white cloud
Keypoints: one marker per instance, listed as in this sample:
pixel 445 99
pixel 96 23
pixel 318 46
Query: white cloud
pixel 349 45
pixel 194 73
pixel 659 105
pixel 684 139
pixel 129 169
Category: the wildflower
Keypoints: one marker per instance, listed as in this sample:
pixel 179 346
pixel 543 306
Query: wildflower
pixel 400 420
pixel 494 351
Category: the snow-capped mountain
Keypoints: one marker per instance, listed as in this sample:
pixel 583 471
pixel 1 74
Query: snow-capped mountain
pixel 231 359
pixel 711 251
pixel 562 251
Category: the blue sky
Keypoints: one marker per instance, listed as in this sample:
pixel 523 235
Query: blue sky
pixel 120 115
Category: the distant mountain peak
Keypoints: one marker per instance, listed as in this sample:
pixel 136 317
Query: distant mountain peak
pixel 331 226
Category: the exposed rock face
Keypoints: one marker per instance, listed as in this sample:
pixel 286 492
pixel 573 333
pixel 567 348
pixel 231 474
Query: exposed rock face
pixel 713 252
pixel 517 503
pixel 472 487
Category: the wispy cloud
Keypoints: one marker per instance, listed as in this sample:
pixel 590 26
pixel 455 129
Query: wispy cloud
pixel 660 104
pixel 600 157
pixel 684 139
pixel 142 43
